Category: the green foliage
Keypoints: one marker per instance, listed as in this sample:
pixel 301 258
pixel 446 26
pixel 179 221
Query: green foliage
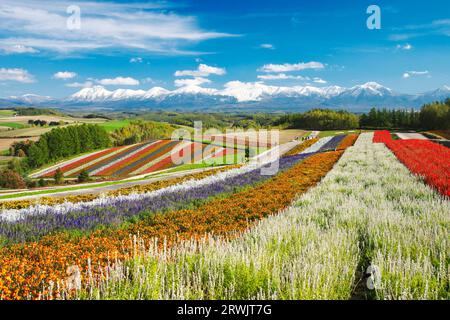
pixel 64 142
pixel 435 115
pixel 400 119
pixel 215 120
pixel 19 147
pixel 138 131
pixel 42 183
pixel 11 180
pixel 59 176
pixel 17 165
pixel 83 176
pixel 320 119
pixel 35 111
pixel 431 116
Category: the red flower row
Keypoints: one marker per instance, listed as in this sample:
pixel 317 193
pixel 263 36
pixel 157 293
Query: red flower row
pixel 422 157
pixel 82 161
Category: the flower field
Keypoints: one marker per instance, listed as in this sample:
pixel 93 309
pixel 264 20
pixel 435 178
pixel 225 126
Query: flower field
pixel 368 211
pixel 86 234
pixel 309 232
pixel 424 158
pixel 50 201
pixel 137 159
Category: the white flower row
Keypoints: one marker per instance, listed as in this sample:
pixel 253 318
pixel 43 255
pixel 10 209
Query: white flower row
pixel 316 146
pixel 12 215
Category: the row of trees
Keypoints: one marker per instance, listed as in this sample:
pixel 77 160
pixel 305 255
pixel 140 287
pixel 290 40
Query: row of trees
pixel 390 119
pixel 64 142
pixel 320 119
pixel 431 116
pixel 43 123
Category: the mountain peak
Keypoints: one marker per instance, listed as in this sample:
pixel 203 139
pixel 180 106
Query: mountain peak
pixel 92 94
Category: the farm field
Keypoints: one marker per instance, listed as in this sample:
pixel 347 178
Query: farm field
pixel 16 128
pixel 5 143
pixel 6 113
pixel 138 159
pixel 114 124
pixel 284 136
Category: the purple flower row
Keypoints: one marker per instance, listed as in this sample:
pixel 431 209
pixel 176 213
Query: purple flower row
pixel 333 143
pixel 34 226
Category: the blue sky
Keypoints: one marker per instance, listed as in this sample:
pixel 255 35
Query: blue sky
pixel 141 44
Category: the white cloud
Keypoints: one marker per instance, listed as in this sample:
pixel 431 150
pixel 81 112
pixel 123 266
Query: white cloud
pixel 203 70
pixel 406 46
pixel 16 74
pixel 64 75
pixel 17 48
pixel 287 67
pixel 137 25
pixel 267 46
pixel 319 80
pixel 410 74
pixel 86 84
pixel 119 81
pixel 436 27
pixel 281 76
pixel 197 81
pixel 136 60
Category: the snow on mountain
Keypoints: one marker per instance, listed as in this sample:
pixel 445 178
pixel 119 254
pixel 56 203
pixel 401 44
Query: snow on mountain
pixel 240 93
pixel 368 89
pixel 125 94
pixel 95 93
pixel 31 98
pixel 156 92
pixel 194 90
pixel 443 92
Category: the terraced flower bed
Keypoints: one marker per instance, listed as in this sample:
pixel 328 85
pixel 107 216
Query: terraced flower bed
pixel 138 159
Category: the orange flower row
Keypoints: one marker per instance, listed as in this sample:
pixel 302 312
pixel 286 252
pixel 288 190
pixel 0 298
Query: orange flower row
pixel 27 269
pixel 348 141
pixel 301 147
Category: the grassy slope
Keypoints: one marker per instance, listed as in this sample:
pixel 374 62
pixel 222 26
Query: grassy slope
pixel 6 113
pixel 115 124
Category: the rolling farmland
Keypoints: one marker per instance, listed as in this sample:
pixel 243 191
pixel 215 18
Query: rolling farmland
pixel 137 159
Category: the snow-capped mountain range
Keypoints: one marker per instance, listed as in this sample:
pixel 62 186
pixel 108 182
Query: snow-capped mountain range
pixel 237 94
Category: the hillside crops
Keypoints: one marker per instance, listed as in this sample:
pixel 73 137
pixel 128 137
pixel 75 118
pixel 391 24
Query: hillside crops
pixel 137 159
